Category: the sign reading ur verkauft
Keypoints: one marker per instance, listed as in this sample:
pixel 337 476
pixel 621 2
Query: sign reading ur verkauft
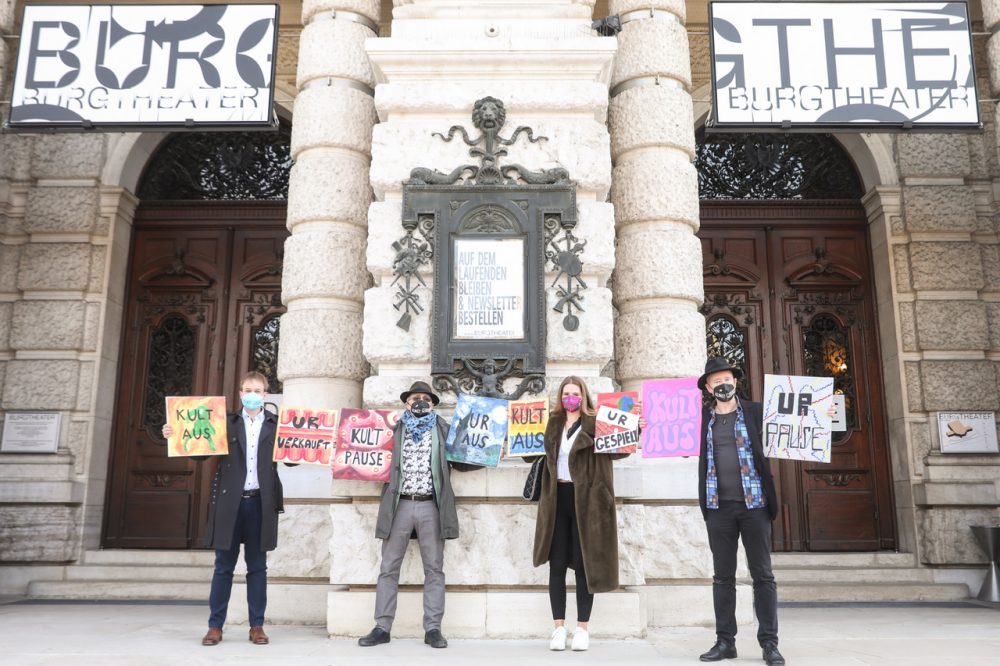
pixel 862 65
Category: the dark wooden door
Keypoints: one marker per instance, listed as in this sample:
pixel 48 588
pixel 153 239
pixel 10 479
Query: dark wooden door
pixel 202 308
pixel 788 291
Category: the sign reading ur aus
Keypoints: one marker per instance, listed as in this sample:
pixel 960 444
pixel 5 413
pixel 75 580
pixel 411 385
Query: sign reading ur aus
pixel 874 65
pixel 84 66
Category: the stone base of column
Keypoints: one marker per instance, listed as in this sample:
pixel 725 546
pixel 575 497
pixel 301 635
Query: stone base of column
pixel 510 613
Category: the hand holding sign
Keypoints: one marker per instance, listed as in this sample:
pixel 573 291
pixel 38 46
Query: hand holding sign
pixel 197 426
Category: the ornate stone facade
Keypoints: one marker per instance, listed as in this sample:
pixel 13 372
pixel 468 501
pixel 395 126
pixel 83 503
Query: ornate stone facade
pixel 620 115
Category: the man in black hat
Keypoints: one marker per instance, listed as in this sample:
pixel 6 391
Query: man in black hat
pixel 736 493
pixel 417 500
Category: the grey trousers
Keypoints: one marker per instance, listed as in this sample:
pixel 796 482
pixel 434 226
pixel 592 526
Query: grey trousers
pixel 410 516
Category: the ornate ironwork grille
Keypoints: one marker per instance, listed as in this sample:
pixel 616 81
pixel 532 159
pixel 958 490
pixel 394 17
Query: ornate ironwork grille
pixel 774 166
pixel 264 357
pixel 171 370
pixel 220 166
pixel 826 352
pixel 726 339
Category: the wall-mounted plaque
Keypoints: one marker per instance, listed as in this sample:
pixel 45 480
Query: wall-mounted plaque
pixel 967 432
pixel 30 432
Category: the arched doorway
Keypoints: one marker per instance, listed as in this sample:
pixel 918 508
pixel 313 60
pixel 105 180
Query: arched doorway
pixel 789 290
pixel 202 307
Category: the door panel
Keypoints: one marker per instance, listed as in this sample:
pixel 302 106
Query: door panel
pixel 809 274
pixel 183 336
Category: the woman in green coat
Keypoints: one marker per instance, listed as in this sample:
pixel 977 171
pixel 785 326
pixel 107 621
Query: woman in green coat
pixel 577 525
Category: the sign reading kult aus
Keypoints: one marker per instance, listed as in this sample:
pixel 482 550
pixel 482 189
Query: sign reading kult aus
pixel 871 65
pixel 84 66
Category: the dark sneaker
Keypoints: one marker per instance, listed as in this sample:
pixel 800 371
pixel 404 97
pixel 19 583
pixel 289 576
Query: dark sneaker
pixel 721 650
pixel 772 657
pixel 435 639
pixel 376 636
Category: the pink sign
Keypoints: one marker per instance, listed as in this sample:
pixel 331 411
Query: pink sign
pixel 364 445
pixel 672 409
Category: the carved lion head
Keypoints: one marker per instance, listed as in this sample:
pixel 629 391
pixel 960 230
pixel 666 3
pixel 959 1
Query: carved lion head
pixel 488 114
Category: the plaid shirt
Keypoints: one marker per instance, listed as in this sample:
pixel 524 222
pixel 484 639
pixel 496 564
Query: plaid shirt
pixel 753 490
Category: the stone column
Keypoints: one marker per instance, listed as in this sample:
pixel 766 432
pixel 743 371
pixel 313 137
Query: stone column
pixel 658 279
pixel 658 286
pixel 321 362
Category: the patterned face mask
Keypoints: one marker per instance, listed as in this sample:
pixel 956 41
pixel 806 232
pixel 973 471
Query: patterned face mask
pixel 420 407
pixel 724 392
pixel 572 402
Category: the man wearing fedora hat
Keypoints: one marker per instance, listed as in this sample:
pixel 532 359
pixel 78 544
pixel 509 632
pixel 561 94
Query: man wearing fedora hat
pixel 417 500
pixel 737 498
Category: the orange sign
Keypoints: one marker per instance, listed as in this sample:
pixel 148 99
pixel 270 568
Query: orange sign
pixel 199 425
pixel 305 435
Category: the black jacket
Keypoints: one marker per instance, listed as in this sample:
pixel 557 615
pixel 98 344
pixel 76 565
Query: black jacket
pixel 753 413
pixel 227 486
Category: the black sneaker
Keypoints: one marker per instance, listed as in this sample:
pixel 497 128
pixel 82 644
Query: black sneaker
pixel 721 650
pixel 771 655
pixel 376 636
pixel 435 639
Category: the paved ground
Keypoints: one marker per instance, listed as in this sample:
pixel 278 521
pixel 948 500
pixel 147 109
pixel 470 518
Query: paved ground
pixel 151 634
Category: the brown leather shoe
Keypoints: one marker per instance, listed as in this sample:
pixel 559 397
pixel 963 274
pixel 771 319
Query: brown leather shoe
pixel 213 637
pixel 258 637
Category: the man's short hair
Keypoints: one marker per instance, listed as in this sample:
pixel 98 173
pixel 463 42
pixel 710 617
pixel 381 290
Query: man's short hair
pixel 256 376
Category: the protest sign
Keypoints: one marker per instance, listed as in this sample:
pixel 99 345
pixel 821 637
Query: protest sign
pixel 672 409
pixel 478 431
pixel 364 445
pixel 305 435
pixel 526 427
pixel 617 426
pixel 796 423
pixel 199 425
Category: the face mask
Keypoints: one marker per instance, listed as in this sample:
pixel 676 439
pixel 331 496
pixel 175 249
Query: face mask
pixel 724 392
pixel 252 401
pixel 420 407
pixel 572 402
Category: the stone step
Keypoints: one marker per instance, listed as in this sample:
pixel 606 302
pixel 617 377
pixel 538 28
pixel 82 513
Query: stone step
pixel 149 574
pixel 143 557
pixel 871 592
pixel 842 560
pixel 849 575
pixel 169 590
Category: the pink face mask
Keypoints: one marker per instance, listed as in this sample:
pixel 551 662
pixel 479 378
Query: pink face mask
pixel 571 403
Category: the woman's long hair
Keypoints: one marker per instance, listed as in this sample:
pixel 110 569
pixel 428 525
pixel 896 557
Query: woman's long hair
pixel 586 407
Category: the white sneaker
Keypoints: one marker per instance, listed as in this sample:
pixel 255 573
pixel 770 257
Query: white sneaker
pixel 558 641
pixel 581 640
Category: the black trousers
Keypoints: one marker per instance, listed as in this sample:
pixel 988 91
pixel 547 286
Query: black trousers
pixel 726 525
pixel 564 553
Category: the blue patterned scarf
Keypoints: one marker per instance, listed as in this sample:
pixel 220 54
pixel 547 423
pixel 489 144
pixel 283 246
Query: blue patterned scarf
pixel 416 426
pixel 753 489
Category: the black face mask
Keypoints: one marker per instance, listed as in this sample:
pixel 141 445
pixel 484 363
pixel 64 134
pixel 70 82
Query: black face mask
pixel 420 407
pixel 724 392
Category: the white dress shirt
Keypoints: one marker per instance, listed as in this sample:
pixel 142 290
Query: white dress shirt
pixel 562 461
pixel 253 425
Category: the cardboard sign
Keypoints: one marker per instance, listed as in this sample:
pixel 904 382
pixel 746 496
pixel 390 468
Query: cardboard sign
pixel 617 426
pixel 199 425
pixel 526 424
pixel 478 431
pixel 305 435
pixel 796 423
pixel 364 445
pixel 672 409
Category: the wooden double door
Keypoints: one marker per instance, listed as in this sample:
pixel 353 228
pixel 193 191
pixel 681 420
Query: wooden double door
pixel 202 308
pixel 788 290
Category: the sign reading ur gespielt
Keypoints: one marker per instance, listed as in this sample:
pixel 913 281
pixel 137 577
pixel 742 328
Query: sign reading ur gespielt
pixel 863 65
pixel 134 66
